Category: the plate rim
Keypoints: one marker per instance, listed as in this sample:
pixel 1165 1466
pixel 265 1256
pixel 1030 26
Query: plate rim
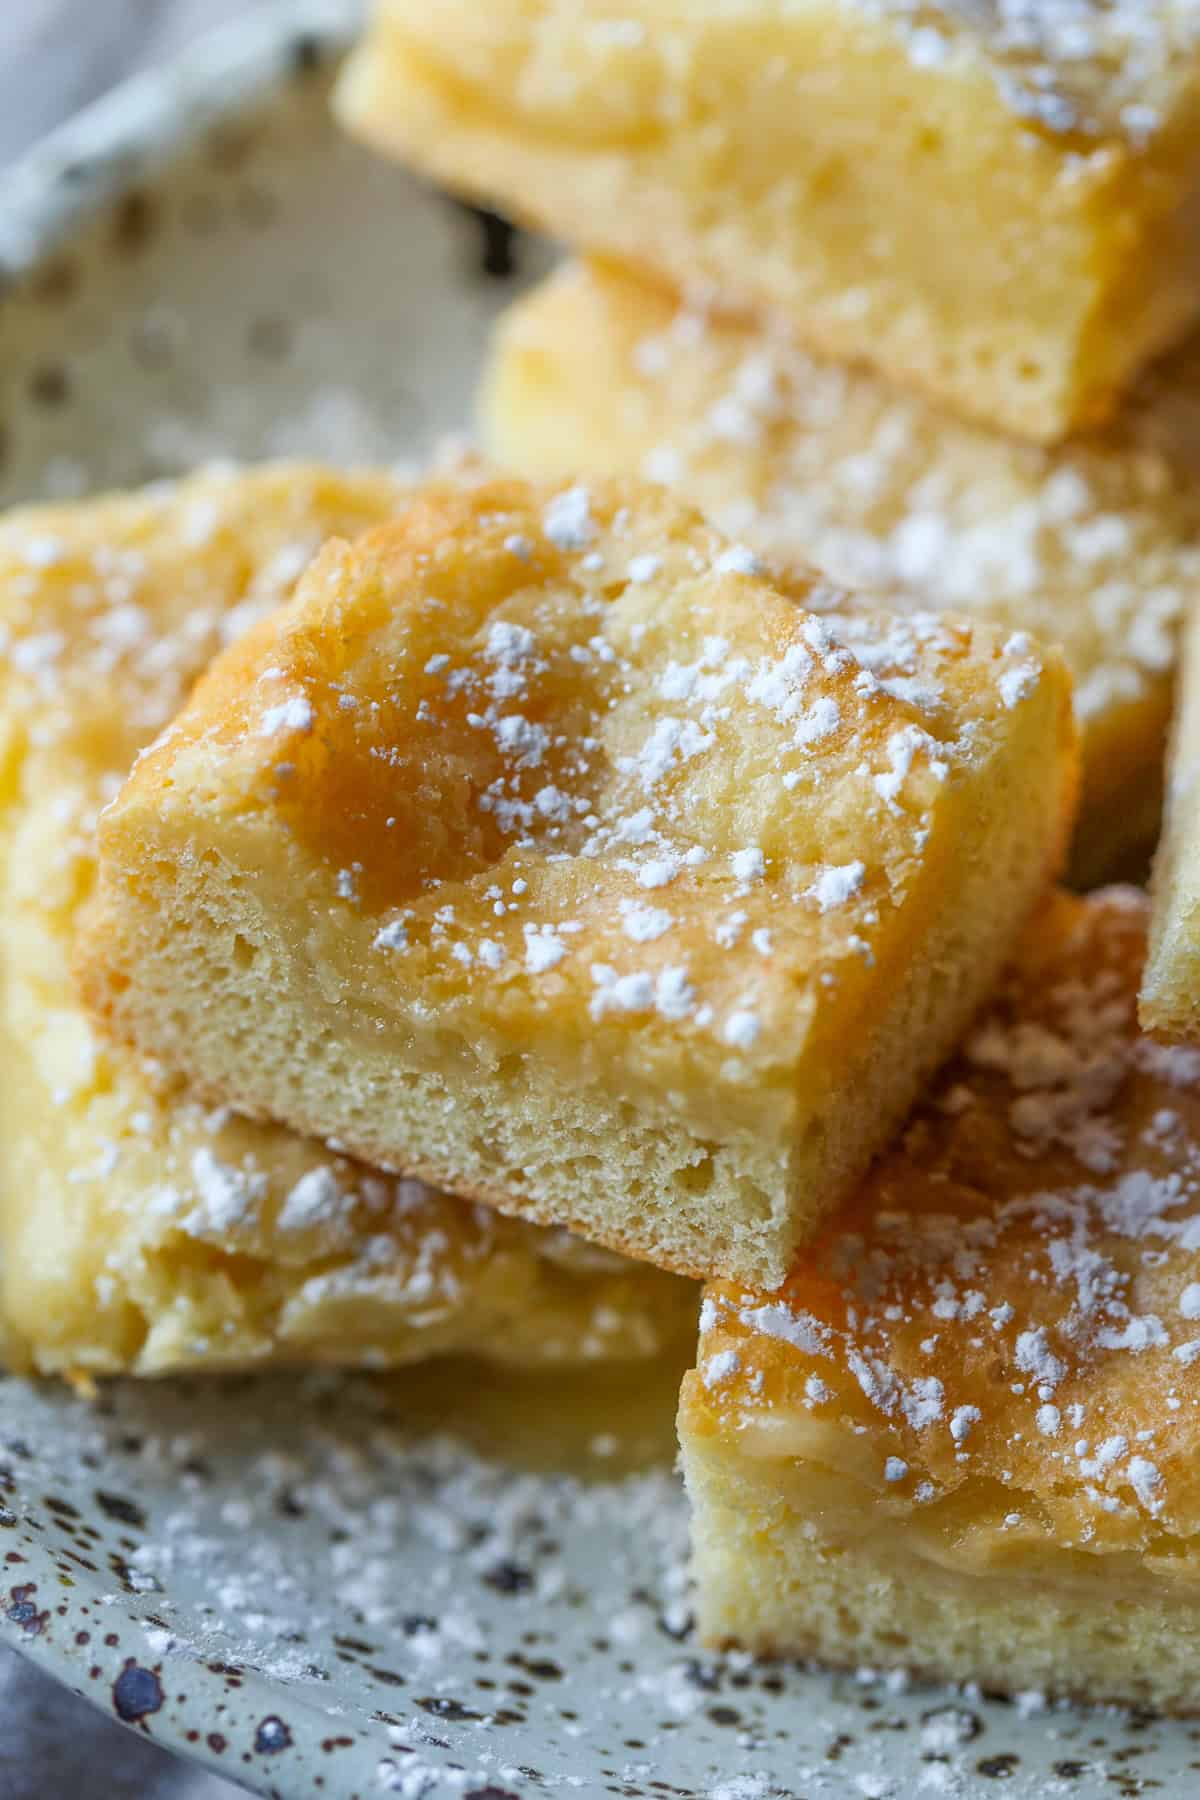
pixel 142 126
pixel 153 117
pixel 147 122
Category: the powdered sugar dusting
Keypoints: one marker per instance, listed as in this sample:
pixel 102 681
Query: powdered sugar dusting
pixel 295 714
pixel 834 886
pixel 652 751
pixel 1011 1289
pixel 1091 545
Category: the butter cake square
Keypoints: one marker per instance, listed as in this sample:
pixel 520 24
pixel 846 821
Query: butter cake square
pixel 1094 546
pixel 962 1437
pixel 141 1230
pixel 1170 998
pixel 543 849
pixel 996 204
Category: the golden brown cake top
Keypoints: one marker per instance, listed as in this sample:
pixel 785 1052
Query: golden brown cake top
pixel 149 1229
pixel 1001 1333
pixel 109 610
pixel 1066 65
pixel 1087 68
pixel 1092 544
pixel 568 750
pixel 1170 998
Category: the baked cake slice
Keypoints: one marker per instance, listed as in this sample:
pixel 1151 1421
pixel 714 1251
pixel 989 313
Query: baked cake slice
pixel 1094 546
pixel 962 1438
pixel 995 203
pixel 1170 998
pixel 140 1229
pixel 543 849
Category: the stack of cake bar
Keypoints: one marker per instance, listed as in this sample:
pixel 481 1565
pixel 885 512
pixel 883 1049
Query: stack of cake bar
pixel 448 917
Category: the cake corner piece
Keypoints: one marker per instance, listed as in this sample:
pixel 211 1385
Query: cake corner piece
pixel 545 849
pixel 1169 1003
pixel 962 1439
pixel 1061 167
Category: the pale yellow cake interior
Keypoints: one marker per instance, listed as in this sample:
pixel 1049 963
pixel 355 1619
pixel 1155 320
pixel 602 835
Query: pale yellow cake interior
pixel 1094 546
pixel 545 850
pixel 996 205
pixel 963 1436
pixel 139 1229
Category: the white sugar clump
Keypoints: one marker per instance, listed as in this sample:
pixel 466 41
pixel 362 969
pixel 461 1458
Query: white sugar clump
pixel 742 1030
pixel 1146 1482
pixel 670 993
pixel 644 924
pixel 780 685
pixel 314 1199
pixel 748 864
pixel 721 1367
pixel 738 560
pixel 524 741
pixel 816 722
pixel 567 520
pixel 544 948
pixel 510 648
pixel 835 885
pixel 903 747
pixel 777 1320
pixel 674 995
pixel 961 1422
pixel 42 552
pixel 670 739
pixel 620 993
pixel 1034 1355
pixel 227 1193
pixel 295 714
pixel 659 871
pixel 922 1404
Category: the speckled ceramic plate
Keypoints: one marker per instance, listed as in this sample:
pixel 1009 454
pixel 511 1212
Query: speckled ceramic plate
pixel 452 1583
